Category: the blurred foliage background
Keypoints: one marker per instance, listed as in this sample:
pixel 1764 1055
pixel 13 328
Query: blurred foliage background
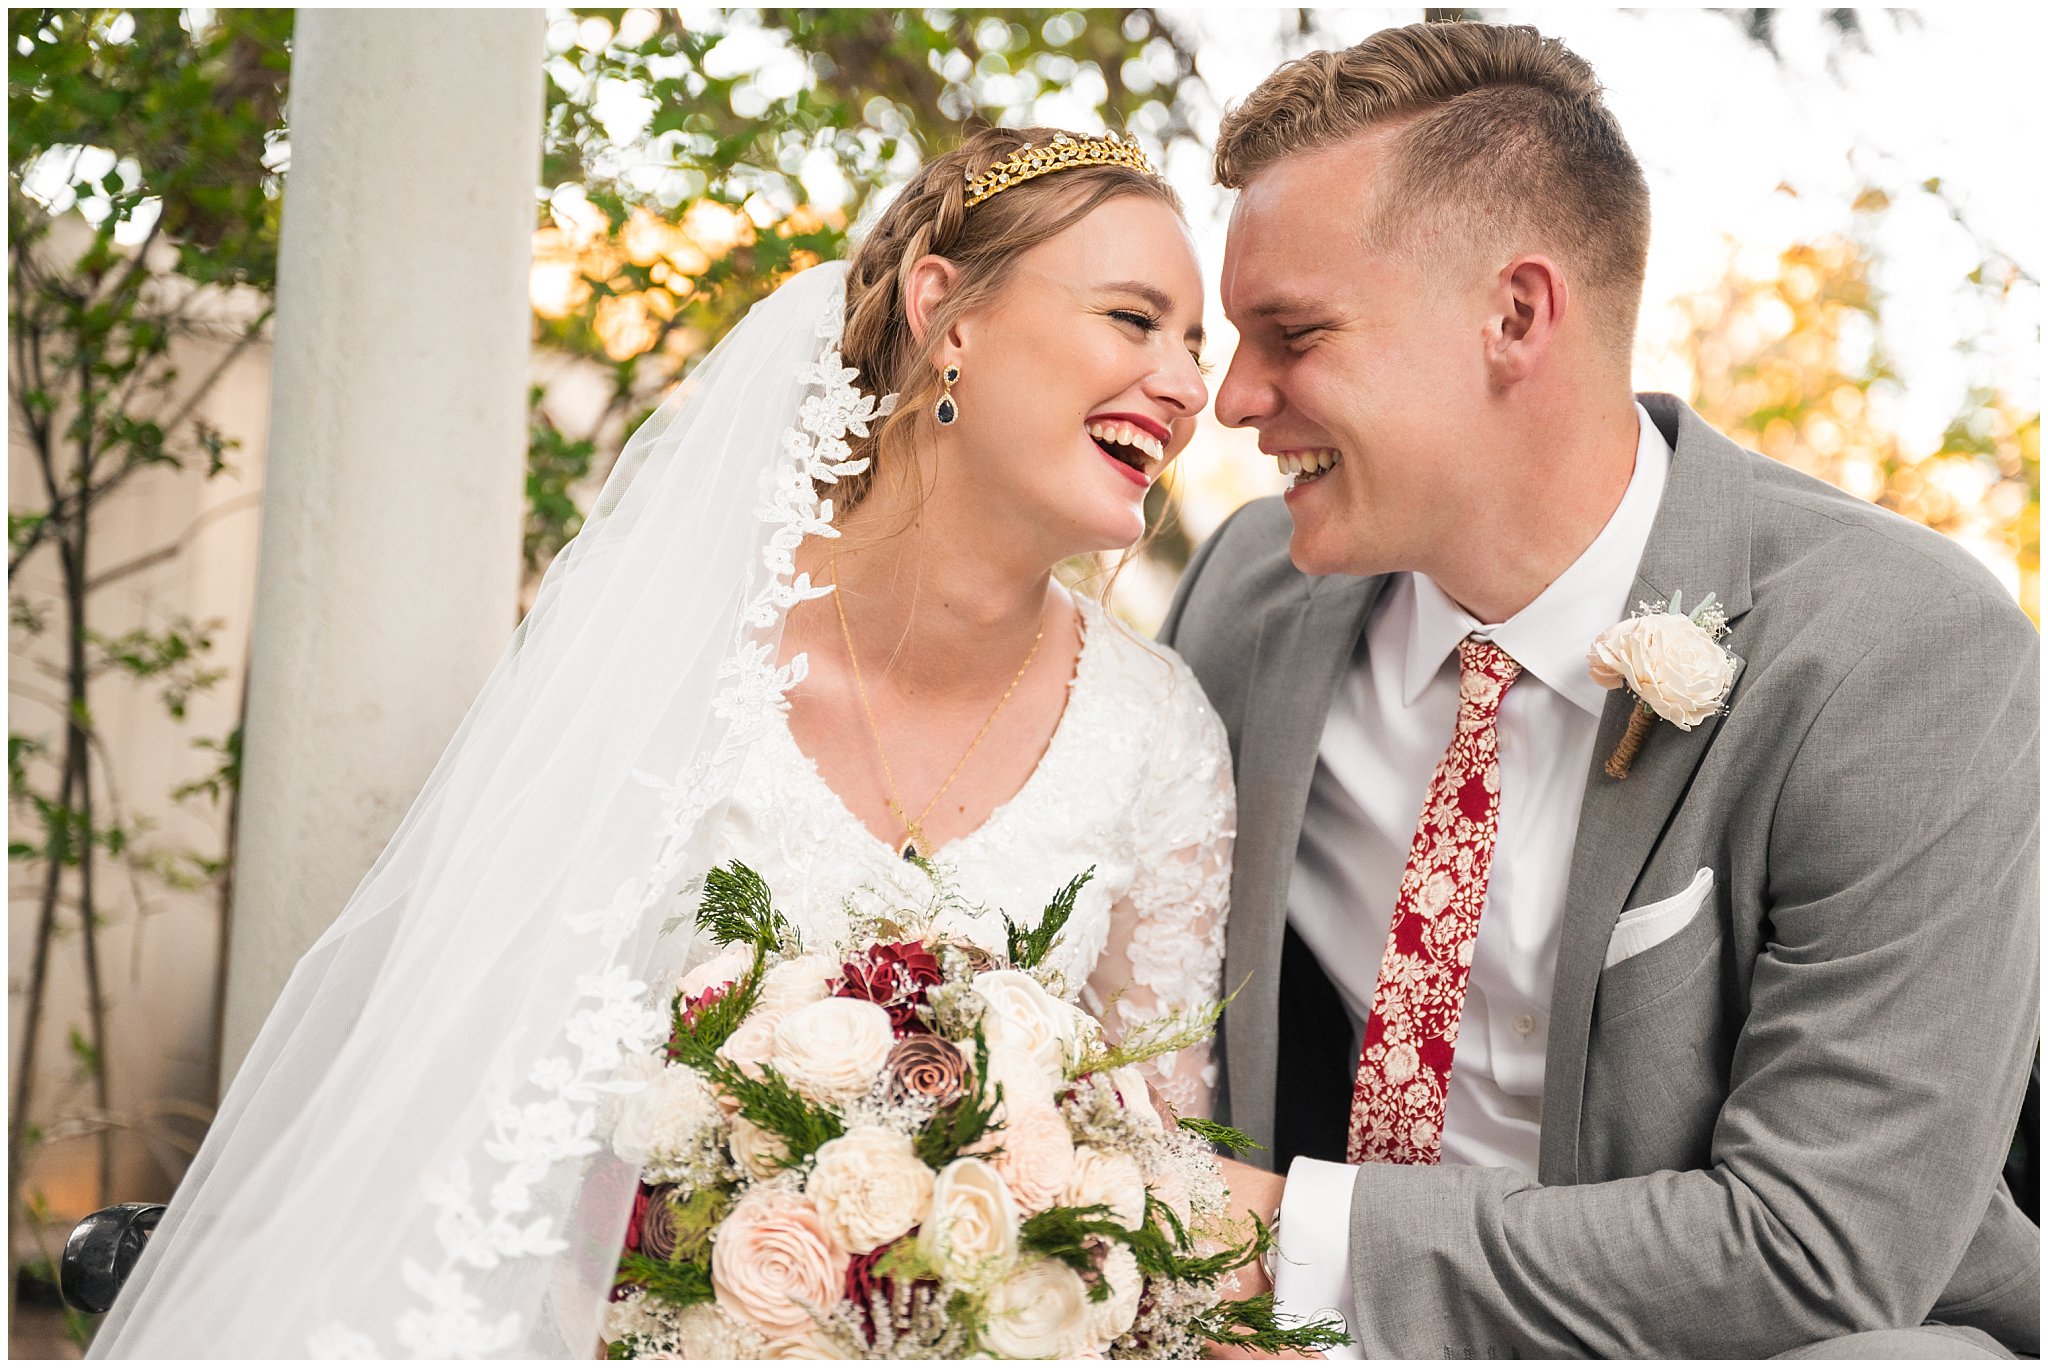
pixel 691 160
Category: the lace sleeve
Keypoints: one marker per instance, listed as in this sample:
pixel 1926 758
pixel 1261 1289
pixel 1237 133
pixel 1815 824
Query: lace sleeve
pixel 1165 949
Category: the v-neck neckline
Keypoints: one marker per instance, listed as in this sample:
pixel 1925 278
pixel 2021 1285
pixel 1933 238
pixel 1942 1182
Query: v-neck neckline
pixel 1090 617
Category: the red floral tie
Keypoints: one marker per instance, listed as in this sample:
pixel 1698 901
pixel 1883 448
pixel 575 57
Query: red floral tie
pixel 1404 1071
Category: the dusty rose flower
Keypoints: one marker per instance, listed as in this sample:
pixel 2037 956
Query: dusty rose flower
pixel 970 1234
pixel 895 977
pixel 774 1264
pixel 923 1065
pixel 870 1186
pixel 1039 1311
pixel 1669 662
pixel 656 1215
pixel 1036 1157
pixel 831 1051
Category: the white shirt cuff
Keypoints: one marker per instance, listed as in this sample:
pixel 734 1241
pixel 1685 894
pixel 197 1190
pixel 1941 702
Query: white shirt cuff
pixel 1312 1275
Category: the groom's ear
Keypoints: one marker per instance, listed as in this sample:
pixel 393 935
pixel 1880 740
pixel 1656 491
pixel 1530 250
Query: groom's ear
pixel 932 278
pixel 1528 305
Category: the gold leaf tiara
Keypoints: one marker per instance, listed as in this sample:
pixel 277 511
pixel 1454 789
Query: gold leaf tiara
pixel 1064 151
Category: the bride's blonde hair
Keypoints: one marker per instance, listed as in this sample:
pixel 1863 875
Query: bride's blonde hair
pixel 930 217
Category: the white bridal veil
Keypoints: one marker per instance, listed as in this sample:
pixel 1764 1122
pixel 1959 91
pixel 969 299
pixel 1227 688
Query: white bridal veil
pixel 410 1162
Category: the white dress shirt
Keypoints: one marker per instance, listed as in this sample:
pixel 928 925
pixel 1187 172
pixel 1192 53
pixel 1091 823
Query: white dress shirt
pixel 1389 725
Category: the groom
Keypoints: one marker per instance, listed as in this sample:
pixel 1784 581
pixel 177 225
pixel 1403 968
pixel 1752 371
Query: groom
pixel 1739 1039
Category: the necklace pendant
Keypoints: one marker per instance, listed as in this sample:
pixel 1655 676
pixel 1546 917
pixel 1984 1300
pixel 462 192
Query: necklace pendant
pixel 910 851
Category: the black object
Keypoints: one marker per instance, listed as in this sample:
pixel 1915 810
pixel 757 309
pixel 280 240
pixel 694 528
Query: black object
pixel 2023 1164
pixel 1312 1080
pixel 100 1253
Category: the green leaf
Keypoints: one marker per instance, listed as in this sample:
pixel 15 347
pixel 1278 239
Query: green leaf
pixel 86 1053
pixel 1029 947
pixel 1216 1133
pixel 738 909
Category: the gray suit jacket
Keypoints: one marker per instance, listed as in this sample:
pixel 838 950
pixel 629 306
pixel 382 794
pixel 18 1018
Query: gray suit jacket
pixel 1786 1122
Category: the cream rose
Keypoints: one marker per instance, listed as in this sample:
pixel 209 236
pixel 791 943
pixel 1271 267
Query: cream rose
pixel 831 1051
pixel 797 983
pixel 705 1331
pixel 1041 1311
pixel 1105 1178
pixel 716 973
pixel 774 1265
pixel 1024 1084
pixel 1669 662
pixel 813 1344
pixel 970 1233
pixel 1112 1317
pixel 1023 1016
pixel 870 1186
pixel 1135 1094
pixel 1036 1155
pixel 760 1153
pixel 665 1119
pixel 753 1044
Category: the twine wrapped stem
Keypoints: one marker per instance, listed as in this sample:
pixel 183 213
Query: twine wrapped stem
pixel 1631 741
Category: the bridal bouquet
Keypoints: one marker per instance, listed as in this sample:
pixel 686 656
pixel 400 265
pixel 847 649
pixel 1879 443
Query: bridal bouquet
pixel 911 1148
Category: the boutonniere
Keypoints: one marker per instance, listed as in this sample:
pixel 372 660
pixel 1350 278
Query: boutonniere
pixel 1672 662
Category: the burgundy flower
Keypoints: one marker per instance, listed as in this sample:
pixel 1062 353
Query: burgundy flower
pixel 622 1284
pixel 640 1200
pixel 862 1282
pixel 894 976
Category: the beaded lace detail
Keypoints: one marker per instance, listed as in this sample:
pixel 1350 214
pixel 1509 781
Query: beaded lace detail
pixel 493 1207
pixel 1136 782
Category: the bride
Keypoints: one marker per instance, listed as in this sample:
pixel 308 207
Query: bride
pixel 811 624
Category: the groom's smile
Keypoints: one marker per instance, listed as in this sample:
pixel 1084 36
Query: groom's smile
pixel 1347 361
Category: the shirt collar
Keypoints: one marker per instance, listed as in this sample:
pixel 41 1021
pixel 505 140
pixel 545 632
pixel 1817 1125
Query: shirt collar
pixel 1550 637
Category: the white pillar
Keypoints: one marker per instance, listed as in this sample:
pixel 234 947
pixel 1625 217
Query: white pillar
pixel 394 500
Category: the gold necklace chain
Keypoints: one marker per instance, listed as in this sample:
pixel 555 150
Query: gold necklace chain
pixel 913 827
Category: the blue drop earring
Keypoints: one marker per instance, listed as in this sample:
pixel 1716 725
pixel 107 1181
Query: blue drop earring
pixel 947 409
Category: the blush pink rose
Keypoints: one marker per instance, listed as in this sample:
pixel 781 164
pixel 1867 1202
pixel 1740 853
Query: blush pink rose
pixel 774 1263
pixel 1036 1157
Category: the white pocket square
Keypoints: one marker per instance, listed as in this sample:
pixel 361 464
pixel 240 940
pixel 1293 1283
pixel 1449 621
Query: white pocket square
pixel 1642 928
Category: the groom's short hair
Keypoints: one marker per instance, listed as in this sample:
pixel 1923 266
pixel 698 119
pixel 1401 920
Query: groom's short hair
pixel 1502 133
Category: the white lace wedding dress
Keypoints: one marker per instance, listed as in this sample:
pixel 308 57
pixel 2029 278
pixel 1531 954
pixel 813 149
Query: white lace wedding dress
pixel 1135 782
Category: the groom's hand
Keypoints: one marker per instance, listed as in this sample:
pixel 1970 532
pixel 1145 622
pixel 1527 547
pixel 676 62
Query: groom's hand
pixel 1253 1192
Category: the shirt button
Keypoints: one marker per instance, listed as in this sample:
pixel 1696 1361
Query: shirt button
pixel 1524 1024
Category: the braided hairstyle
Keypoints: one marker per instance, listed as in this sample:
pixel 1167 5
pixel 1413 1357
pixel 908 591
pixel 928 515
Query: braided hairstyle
pixel 930 217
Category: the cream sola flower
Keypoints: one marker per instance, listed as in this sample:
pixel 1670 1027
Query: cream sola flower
pixel 1673 665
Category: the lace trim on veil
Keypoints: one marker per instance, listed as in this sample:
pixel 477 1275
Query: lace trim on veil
pixel 554 1117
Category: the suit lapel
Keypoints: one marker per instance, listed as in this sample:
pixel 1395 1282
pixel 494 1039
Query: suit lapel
pixel 1302 653
pixel 1699 544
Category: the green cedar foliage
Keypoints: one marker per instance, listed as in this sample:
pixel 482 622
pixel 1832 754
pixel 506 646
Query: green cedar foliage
pixel 1029 947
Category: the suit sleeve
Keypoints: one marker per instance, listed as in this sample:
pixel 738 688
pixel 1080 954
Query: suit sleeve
pixel 1874 1083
